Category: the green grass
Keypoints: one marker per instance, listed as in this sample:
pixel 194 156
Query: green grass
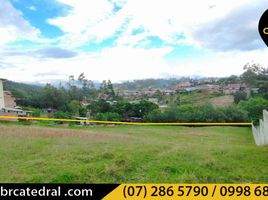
pixel 194 97
pixel 131 154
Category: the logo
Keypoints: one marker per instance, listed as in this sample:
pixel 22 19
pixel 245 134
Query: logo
pixel 263 27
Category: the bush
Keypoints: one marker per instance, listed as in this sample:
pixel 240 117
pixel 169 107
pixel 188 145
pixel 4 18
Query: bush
pixel 140 109
pixel 239 96
pixel 254 107
pixel 202 113
pixel 154 116
pixel 207 113
pixel 110 116
pixel 36 112
pixel 61 115
pixel 235 114
pixel 82 111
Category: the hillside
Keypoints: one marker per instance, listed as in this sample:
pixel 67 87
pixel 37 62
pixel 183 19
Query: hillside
pixel 147 83
pixel 21 90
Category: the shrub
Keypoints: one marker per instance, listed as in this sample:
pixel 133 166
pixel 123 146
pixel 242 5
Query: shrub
pixel 61 115
pixel 235 114
pixel 110 116
pixel 239 96
pixel 202 113
pixel 254 107
pixel 36 112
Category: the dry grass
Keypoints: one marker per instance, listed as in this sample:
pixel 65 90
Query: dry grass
pixel 226 100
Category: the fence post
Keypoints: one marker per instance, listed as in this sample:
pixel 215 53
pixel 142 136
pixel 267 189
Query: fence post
pixel 260 133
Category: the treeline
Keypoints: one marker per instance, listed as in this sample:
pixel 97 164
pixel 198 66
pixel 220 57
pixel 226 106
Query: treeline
pixel 21 90
pixel 148 83
pixel 245 111
pixel 80 97
pixel 121 110
pixel 202 113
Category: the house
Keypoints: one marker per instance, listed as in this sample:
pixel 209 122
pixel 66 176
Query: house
pixel 233 88
pixel 6 98
pixel 9 100
pixel 167 92
pixel 8 105
pixel 210 87
pixel 183 85
pixel 2 101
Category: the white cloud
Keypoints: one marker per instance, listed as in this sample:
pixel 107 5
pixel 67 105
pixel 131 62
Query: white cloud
pixel 120 63
pixel 166 19
pixel 127 63
pixel 219 64
pixel 84 16
pixel 236 31
pixel 32 8
pixel 13 26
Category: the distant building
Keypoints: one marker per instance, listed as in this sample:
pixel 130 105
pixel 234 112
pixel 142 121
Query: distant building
pixel 183 85
pixel 153 100
pixel 233 88
pixel 211 87
pixel 167 92
pixel 10 101
pixel 2 101
pixel 6 98
pixel 8 105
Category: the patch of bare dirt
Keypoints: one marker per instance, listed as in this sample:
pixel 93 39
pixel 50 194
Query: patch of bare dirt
pixel 226 100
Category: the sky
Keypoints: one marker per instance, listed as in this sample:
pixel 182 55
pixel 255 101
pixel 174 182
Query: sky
pixel 42 41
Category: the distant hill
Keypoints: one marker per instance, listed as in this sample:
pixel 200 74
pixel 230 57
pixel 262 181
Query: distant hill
pixel 147 83
pixel 21 90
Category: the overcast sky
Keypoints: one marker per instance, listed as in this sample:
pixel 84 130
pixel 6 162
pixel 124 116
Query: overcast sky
pixel 128 39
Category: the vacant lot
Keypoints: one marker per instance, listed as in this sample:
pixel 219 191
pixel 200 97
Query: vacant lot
pixel 225 100
pixel 131 154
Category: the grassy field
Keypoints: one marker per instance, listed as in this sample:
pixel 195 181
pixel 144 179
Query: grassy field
pixel 222 101
pixel 131 154
pixel 199 98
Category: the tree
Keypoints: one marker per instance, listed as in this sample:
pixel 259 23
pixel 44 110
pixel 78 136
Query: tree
pixel 255 76
pixel 81 77
pixel 229 80
pixel 107 90
pixel 159 96
pixel 82 111
pixel 201 113
pixel 124 108
pixel 143 107
pixel 74 107
pixel 100 106
pixel 234 114
pixel 103 86
pixel 54 98
pixel 75 93
pixel 239 95
pixel 254 107
pixel 88 89
pixel 61 115
pixel 110 90
pixel 250 75
pixel 110 116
